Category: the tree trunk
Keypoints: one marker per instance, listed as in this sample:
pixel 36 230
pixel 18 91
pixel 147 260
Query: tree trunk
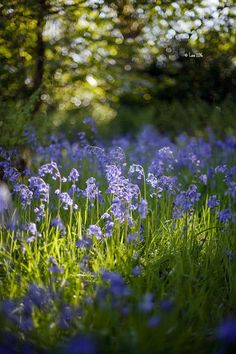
pixel 40 51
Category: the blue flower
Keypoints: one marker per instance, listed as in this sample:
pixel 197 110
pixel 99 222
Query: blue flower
pixel 56 222
pixel 224 216
pixel 40 188
pixel 92 191
pixel 147 303
pixel 81 345
pixel 73 176
pixel 118 288
pixel 51 169
pixel 213 202
pixel 95 230
pixel 143 208
pixel 226 332
pixel 154 321
pixel 26 194
pixel 66 200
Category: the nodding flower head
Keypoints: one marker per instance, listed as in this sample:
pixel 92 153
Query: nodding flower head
pixel 95 230
pixel 50 169
pixel 66 200
pixel 25 193
pixel 39 188
pixel 73 175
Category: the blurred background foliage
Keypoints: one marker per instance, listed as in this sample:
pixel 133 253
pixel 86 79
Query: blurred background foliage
pixel 124 62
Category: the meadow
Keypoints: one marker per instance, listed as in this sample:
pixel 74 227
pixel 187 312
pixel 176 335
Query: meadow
pixel 120 246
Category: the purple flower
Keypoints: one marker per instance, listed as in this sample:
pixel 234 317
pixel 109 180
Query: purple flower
pixel 10 173
pixel 226 332
pixel 119 186
pixel 166 305
pixel 136 169
pixel 118 287
pixel 147 303
pixel 66 200
pixel 55 269
pixel 119 210
pixel 185 201
pixel 40 213
pixel 109 228
pixel 95 230
pixel 25 194
pixel 132 237
pixel 39 297
pixel 92 190
pixel 153 321
pixel 221 169
pixel 51 169
pixel 73 176
pixel 213 202
pixel 26 324
pixel 136 270
pixel 152 180
pixel 81 345
pixel 224 216
pixel 56 222
pixel 32 228
pixel 203 179
pixel 143 208
pixel 84 242
pixel 65 316
pixel 40 188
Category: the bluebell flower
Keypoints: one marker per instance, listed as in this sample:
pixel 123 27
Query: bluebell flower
pixel 119 210
pixel 66 315
pixel 143 208
pixel 136 270
pixel 66 200
pixel 118 288
pixel 213 202
pixel 203 179
pixel 40 188
pixel 32 228
pixel 40 212
pixel 226 332
pixel 224 216
pixel 25 193
pixel 136 169
pixel 153 321
pixel 51 169
pixel 132 236
pixel 26 323
pixel 84 243
pixel 82 344
pixel 184 201
pixel 95 230
pixel 39 297
pixel 57 222
pixel 73 176
pixel 166 305
pixel 92 190
pixel 147 303
pixel 54 267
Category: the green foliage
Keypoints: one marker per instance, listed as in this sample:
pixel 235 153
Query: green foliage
pixel 93 54
pixel 192 116
pixel 15 119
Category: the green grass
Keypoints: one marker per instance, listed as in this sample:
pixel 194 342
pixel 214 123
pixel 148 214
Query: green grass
pixel 182 260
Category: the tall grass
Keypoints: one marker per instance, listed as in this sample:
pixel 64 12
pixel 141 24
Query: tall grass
pixel 158 284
